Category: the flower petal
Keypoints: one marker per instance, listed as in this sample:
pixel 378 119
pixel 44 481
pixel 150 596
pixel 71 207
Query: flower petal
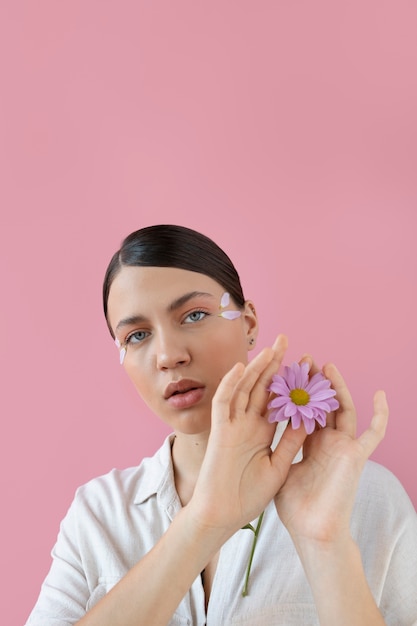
pixel 319 385
pixel 279 387
pixel 320 404
pixel 225 299
pixel 302 377
pixel 325 394
pixel 290 377
pixel 296 368
pixel 296 421
pixel 333 403
pixel 277 416
pixel 278 402
pixel 321 419
pixel 309 425
pixel 290 409
pixel 230 315
pixel 306 411
pixel 281 413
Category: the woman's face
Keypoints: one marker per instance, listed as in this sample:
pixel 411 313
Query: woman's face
pixel 177 346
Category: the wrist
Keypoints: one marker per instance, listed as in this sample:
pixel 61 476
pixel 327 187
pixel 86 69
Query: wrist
pixel 328 550
pixel 336 565
pixel 205 537
pixel 321 536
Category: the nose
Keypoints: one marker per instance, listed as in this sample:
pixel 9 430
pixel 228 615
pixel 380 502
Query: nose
pixel 171 352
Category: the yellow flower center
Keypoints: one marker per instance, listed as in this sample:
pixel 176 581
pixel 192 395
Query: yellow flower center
pixel 299 396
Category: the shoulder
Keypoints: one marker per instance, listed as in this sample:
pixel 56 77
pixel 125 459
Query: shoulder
pixel 379 480
pixel 113 485
pixel 382 497
pixel 120 487
pixel 384 524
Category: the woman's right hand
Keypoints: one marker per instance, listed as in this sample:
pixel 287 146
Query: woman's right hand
pixel 240 474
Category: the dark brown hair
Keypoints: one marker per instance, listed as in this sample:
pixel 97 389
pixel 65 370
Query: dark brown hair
pixel 167 245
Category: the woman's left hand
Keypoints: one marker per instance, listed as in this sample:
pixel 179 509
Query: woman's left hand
pixel 316 500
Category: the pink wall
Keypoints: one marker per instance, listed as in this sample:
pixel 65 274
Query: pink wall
pixel 287 131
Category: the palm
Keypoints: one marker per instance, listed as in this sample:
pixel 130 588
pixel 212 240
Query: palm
pixel 239 452
pixel 239 475
pixel 317 498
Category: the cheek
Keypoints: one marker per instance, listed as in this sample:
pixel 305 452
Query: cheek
pixel 138 376
pixel 226 348
pixel 144 384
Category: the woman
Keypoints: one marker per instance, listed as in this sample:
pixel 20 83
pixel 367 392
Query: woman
pixel 165 543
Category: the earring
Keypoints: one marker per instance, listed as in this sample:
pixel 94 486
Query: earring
pixel 251 341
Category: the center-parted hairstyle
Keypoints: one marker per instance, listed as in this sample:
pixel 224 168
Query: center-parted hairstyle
pixel 167 245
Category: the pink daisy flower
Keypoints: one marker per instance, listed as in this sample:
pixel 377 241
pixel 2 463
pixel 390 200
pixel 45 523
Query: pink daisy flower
pixel 300 398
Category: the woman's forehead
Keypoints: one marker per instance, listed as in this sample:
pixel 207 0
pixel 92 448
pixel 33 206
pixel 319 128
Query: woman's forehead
pixel 138 289
pixel 158 279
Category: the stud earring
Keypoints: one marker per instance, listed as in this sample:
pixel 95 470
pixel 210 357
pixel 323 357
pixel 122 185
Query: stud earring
pixel 251 341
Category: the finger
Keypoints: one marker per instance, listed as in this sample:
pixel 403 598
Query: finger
pixel 346 414
pixel 279 347
pixel 224 393
pixel 287 448
pixel 260 395
pixel 312 367
pixel 252 388
pixel 232 396
pixel 373 436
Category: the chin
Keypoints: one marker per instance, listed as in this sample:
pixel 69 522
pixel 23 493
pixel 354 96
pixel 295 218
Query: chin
pixel 188 425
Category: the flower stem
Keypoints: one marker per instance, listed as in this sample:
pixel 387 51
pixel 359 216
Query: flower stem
pixel 255 539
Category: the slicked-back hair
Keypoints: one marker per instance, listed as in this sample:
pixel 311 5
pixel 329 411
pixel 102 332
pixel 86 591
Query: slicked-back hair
pixel 168 245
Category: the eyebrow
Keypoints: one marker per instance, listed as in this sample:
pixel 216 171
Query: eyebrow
pixel 175 305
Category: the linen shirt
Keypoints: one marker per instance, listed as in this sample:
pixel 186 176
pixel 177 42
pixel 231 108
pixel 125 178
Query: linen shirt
pixel 115 519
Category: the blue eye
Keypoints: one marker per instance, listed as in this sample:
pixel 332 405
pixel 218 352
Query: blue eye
pixel 137 337
pixel 195 316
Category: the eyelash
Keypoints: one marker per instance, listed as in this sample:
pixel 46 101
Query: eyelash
pixel 205 314
pixel 129 338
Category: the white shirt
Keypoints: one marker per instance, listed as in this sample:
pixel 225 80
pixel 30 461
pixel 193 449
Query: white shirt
pixel 116 518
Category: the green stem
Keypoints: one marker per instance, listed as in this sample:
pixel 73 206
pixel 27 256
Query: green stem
pixel 255 539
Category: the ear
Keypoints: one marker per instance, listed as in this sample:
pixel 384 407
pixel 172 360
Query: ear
pixel 250 321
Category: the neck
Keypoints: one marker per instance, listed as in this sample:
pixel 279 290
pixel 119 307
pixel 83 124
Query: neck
pixel 187 456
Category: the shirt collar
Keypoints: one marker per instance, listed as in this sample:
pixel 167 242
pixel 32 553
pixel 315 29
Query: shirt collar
pixel 156 476
pixel 157 473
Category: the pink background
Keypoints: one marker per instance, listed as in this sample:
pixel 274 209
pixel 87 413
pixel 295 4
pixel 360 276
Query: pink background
pixel 287 131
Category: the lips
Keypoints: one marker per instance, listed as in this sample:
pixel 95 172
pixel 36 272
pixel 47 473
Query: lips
pixel 181 386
